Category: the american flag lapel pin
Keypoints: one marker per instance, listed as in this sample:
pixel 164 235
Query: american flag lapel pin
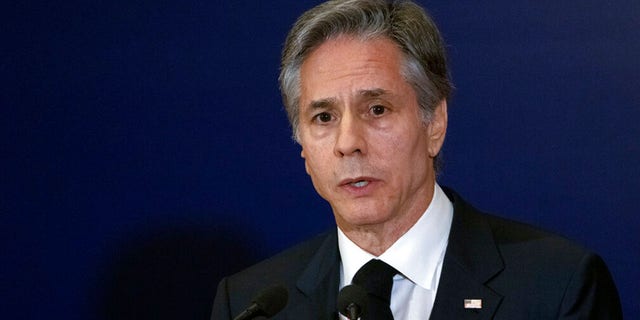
pixel 473 303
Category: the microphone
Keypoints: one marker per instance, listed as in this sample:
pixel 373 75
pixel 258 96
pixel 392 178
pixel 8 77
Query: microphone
pixel 267 303
pixel 352 301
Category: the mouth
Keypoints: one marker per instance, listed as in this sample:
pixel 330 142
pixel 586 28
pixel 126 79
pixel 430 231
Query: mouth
pixel 357 182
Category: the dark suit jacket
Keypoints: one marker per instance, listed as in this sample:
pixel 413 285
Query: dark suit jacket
pixel 518 272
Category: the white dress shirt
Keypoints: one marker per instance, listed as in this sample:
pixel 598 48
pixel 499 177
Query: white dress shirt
pixel 417 255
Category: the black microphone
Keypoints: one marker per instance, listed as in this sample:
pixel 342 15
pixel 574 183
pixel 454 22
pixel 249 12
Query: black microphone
pixel 267 303
pixel 352 301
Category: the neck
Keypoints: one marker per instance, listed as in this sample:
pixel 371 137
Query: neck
pixel 377 238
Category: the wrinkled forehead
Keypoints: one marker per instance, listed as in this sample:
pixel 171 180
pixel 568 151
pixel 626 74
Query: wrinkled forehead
pixel 350 66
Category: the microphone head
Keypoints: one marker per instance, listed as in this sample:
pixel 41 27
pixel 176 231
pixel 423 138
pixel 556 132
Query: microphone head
pixel 352 301
pixel 271 300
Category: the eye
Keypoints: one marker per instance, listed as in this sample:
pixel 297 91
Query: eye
pixel 322 117
pixel 378 110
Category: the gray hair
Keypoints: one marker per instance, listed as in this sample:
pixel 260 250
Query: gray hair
pixel 404 22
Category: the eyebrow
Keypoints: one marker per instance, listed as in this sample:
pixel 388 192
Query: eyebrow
pixel 322 103
pixel 372 93
pixel 327 102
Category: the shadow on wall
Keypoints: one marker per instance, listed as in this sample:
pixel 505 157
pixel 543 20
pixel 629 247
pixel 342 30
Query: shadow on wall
pixel 173 274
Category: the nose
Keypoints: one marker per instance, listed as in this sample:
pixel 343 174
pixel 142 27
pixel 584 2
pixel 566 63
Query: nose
pixel 350 139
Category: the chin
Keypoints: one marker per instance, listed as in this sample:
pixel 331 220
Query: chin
pixel 363 216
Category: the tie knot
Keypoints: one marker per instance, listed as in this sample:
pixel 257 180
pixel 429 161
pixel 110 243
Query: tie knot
pixel 376 277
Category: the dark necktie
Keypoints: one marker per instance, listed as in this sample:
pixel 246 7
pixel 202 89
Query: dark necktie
pixel 376 277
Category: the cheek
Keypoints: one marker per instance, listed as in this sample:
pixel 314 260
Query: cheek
pixel 320 173
pixel 314 162
pixel 393 145
pixel 402 148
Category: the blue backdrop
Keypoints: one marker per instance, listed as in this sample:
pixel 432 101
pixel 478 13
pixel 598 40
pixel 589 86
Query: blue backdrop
pixel 145 153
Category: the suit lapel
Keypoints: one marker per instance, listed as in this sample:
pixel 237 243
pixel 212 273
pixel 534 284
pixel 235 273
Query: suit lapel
pixel 471 260
pixel 319 282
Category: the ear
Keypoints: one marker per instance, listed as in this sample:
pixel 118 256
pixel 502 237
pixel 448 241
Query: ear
pixel 437 128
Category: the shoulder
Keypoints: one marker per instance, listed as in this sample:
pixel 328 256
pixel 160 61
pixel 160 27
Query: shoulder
pixel 513 235
pixel 572 279
pixel 284 265
pixel 532 255
pixel 515 239
pixel 286 268
pixel 540 271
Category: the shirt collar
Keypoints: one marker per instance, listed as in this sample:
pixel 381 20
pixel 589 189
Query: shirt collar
pixel 416 254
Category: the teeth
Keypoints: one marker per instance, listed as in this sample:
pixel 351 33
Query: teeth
pixel 360 184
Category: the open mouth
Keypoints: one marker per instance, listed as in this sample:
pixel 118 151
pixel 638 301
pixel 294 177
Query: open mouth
pixel 359 183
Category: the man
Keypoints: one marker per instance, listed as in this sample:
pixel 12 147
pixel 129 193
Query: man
pixel 365 86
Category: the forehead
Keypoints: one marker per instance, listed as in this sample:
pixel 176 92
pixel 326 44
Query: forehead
pixel 347 66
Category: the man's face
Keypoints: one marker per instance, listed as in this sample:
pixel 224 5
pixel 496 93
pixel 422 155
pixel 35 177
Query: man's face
pixel 366 148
